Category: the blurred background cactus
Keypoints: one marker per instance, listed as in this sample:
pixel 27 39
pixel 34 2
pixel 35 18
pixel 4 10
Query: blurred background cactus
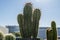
pixel 52 34
pixel 1 36
pixel 53 26
pixel 9 37
pixel 29 21
pixel 49 34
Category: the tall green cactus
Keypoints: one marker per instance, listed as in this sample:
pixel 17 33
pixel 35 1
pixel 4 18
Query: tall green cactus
pixel 10 37
pixel 29 21
pixel 36 18
pixel 1 36
pixel 53 26
pixel 49 34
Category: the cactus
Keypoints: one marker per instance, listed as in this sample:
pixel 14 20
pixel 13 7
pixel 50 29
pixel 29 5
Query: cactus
pixel 52 34
pixel 53 26
pixel 21 24
pixel 25 25
pixel 29 21
pixel 9 37
pixel 1 36
pixel 36 18
pixel 49 34
pixel 27 18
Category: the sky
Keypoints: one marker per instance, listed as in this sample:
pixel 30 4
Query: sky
pixel 50 11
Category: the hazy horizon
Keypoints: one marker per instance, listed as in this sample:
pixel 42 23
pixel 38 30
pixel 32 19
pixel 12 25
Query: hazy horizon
pixel 50 9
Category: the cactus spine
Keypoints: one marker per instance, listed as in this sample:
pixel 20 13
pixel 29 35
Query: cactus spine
pixel 10 37
pixel 36 18
pixel 53 26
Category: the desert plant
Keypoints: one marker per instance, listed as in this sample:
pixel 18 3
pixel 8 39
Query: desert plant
pixel 52 34
pixel 21 24
pixel 24 21
pixel 17 34
pixel 36 18
pixel 49 34
pixel 29 21
pixel 53 26
pixel 9 37
pixel 1 36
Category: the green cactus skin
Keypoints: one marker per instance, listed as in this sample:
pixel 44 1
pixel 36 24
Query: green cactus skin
pixel 49 34
pixel 9 37
pixel 1 36
pixel 27 19
pixel 36 18
pixel 20 19
pixel 53 26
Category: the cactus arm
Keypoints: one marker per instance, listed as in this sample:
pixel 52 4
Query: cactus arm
pixel 21 24
pixel 36 18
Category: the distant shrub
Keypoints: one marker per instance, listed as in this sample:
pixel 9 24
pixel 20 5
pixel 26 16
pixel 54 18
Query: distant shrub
pixel 17 34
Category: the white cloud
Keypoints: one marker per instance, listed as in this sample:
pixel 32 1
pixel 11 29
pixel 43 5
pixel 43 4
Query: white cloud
pixel 37 0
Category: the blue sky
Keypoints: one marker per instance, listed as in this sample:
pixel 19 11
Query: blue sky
pixel 50 10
